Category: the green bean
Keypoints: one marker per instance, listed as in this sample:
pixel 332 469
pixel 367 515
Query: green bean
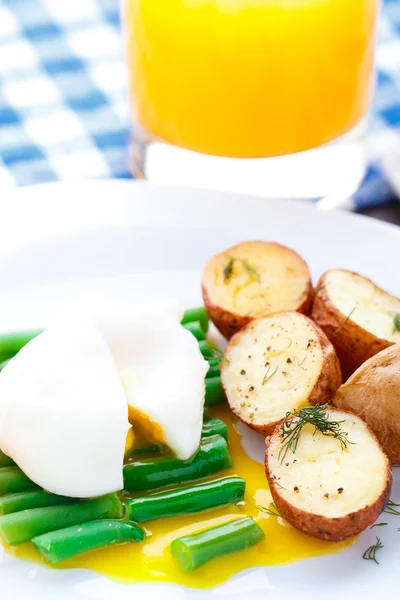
pixel 214 427
pixel 5 461
pixel 192 551
pixel 12 479
pixel 196 314
pixel 4 363
pixel 24 500
pixel 11 343
pixel 214 391
pixel 206 414
pixel 65 543
pixel 214 362
pixel 213 372
pixel 20 527
pixel 190 499
pixel 148 474
pixel 196 329
pixel 153 449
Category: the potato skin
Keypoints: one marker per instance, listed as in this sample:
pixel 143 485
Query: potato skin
pixel 373 393
pixel 225 321
pixel 354 345
pixel 330 378
pixel 329 381
pixel 228 323
pixel 334 529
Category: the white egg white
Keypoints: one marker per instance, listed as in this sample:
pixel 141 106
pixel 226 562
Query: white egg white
pixel 163 373
pixel 64 398
pixel 63 412
pixel 160 365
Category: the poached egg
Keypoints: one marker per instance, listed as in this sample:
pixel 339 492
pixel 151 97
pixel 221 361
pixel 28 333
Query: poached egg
pixel 67 397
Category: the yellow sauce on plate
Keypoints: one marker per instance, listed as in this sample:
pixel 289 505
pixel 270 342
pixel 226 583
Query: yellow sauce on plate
pixel 152 561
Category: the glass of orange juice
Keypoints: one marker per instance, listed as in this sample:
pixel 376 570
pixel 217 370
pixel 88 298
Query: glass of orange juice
pixel 220 88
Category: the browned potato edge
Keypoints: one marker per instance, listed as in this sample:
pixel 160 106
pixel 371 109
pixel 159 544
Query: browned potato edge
pixel 353 344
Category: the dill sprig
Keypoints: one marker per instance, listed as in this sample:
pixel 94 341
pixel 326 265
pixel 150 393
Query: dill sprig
pixel 228 269
pixel 300 364
pixel 345 321
pixel 302 295
pixel 212 351
pixel 370 553
pixel 272 510
pixel 216 350
pixel 268 376
pixel 396 323
pixel 378 525
pixel 391 509
pixel 251 271
pixel 317 416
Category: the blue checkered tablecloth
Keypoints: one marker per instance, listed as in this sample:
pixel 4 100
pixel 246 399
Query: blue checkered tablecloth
pixel 63 106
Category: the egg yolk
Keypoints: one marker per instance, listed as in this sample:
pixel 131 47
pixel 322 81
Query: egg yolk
pixel 151 561
pixel 130 440
pixel 146 428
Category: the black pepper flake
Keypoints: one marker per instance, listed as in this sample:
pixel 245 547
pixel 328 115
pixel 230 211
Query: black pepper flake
pixel 243 372
pixel 286 464
pixel 326 495
pixel 249 355
pixel 289 360
pixel 284 373
pixel 266 364
pixel 251 388
pixel 268 348
pixel 296 489
pixel 340 490
pixel 295 460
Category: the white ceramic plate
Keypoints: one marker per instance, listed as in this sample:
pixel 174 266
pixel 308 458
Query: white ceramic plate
pixel 127 238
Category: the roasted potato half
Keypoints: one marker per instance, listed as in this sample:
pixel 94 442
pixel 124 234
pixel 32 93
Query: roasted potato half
pixel 358 317
pixel 276 364
pixel 373 393
pixel 325 489
pixel 251 280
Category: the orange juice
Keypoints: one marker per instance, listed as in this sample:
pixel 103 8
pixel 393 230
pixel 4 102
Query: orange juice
pixel 249 78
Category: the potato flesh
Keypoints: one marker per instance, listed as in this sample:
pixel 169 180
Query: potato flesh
pixel 368 306
pixel 284 352
pixel 323 478
pixel 264 278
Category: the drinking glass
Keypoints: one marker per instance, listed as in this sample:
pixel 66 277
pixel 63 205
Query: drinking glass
pixel 266 96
